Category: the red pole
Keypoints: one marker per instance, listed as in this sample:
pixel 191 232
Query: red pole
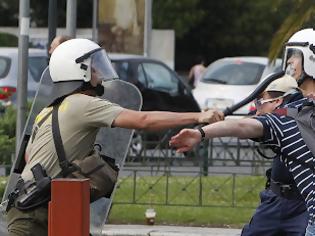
pixel 69 208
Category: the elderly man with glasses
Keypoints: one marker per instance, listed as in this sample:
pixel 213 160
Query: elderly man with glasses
pixel 282 211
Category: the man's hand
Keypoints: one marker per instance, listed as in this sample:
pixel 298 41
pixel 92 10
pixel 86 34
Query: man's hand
pixel 185 140
pixel 210 116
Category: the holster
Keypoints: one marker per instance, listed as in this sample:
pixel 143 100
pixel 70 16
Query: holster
pixel 31 194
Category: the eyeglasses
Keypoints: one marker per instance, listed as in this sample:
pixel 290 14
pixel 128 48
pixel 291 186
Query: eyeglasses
pixel 260 102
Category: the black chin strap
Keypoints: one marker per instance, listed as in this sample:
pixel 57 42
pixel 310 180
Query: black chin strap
pixel 99 89
pixel 301 80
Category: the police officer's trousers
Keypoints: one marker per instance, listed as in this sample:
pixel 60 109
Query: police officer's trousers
pixel 277 216
pixel 28 223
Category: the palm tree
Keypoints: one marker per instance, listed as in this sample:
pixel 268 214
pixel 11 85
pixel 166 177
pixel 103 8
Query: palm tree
pixel 301 14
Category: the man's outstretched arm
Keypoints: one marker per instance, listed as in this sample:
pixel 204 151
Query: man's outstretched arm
pixel 186 139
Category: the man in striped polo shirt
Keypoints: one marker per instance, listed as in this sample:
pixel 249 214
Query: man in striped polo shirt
pixel 277 211
pixel 282 209
pixel 278 131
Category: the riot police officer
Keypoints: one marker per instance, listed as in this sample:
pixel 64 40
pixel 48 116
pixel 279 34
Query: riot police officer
pixel 78 68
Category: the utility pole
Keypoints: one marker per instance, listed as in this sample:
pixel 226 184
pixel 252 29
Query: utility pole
pixel 52 21
pixel 94 21
pixel 24 25
pixel 71 18
pixel 148 28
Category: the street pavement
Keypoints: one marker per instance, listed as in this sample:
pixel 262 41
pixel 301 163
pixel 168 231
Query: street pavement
pixel 155 230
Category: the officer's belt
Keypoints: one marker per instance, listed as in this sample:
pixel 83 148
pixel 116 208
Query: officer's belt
pixel 288 191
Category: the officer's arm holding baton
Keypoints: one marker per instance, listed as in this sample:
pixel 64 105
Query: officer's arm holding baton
pixel 157 120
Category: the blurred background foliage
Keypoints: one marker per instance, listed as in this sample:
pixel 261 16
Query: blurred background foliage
pixel 212 29
pixel 7 134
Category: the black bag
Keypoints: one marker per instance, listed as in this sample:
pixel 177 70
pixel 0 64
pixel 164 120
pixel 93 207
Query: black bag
pixel 101 170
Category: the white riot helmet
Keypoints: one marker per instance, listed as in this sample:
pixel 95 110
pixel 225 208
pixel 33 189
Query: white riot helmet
pixel 73 62
pixel 300 46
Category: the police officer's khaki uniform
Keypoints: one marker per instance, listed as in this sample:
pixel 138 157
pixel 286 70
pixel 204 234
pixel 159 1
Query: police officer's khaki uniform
pixel 80 117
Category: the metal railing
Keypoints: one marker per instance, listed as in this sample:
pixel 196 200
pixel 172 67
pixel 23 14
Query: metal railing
pixel 154 150
pixel 183 188
pixel 224 172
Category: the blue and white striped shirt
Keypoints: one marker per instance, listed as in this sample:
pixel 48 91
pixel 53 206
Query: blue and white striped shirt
pixel 282 134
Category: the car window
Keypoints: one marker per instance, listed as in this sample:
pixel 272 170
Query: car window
pixel 160 78
pixel 4 66
pixel 141 76
pixel 233 73
pixel 122 70
pixel 36 66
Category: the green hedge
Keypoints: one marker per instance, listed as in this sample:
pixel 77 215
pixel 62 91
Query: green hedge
pixel 8 40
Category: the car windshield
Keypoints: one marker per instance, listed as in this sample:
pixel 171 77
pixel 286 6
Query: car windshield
pixel 158 78
pixel 233 73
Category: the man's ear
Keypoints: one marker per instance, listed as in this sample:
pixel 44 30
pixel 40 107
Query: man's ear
pixel 279 101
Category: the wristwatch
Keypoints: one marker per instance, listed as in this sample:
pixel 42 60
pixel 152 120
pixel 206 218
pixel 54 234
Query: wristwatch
pixel 203 134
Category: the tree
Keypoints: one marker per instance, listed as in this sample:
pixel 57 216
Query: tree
pixel 180 15
pixel 9 12
pixel 39 13
pixel 226 28
pixel 302 15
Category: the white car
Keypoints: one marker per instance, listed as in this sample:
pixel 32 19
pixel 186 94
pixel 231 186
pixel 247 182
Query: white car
pixel 37 62
pixel 229 80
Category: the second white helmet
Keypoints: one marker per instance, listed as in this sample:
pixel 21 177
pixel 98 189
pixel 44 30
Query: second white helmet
pixel 302 44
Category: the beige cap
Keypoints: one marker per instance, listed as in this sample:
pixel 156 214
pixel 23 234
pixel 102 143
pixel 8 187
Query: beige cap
pixel 284 84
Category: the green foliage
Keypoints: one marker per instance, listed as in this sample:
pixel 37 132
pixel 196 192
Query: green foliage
pixel 8 40
pixel 9 12
pixel 180 15
pixel 216 29
pixel 213 29
pixel 301 15
pixel 7 135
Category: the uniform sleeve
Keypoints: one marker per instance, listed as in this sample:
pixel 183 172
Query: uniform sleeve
pixel 101 113
pixel 272 132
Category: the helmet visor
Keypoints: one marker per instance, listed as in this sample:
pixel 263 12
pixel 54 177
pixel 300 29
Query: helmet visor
pixel 293 62
pixel 101 66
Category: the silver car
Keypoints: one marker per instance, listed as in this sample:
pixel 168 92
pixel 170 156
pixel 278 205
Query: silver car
pixel 9 72
pixel 229 80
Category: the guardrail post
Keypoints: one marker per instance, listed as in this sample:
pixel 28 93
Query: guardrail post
pixel 69 208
